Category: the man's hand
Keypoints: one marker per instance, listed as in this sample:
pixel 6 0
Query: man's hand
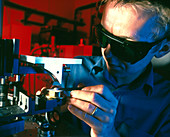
pixel 96 106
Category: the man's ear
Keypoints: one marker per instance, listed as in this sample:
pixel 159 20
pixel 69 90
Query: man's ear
pixel 165 48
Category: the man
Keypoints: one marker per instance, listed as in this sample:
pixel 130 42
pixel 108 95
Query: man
pixel 121 95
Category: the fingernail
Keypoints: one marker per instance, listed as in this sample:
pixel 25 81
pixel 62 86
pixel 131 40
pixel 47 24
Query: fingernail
pixel 85 89
pixel 72 93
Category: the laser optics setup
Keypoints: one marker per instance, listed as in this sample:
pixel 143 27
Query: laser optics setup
pixel 15 104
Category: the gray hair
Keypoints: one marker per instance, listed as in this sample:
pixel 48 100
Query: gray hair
pixel 162 12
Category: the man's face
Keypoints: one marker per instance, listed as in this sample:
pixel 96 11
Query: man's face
pixel 133 25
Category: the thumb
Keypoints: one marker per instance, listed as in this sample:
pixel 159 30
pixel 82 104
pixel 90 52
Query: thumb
pixel 81 85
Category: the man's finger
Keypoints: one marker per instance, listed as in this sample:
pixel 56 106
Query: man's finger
pixel 88 119
pixel 102 90
pixel 92 109
pixel 95 99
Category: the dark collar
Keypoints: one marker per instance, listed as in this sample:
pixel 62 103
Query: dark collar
pixel 145 81
pixel 99 66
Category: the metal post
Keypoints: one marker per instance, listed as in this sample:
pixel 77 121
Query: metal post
pixel 1 17
pixel 3 93
pixel 16 94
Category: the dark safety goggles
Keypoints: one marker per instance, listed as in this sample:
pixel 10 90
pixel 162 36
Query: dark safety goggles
pixel 129 51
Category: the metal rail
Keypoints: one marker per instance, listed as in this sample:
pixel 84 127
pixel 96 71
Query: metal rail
pixel 47 16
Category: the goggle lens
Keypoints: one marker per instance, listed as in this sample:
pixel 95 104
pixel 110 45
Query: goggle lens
pixel 125 50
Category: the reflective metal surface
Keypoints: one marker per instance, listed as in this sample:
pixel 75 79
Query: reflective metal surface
pixel 53 65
